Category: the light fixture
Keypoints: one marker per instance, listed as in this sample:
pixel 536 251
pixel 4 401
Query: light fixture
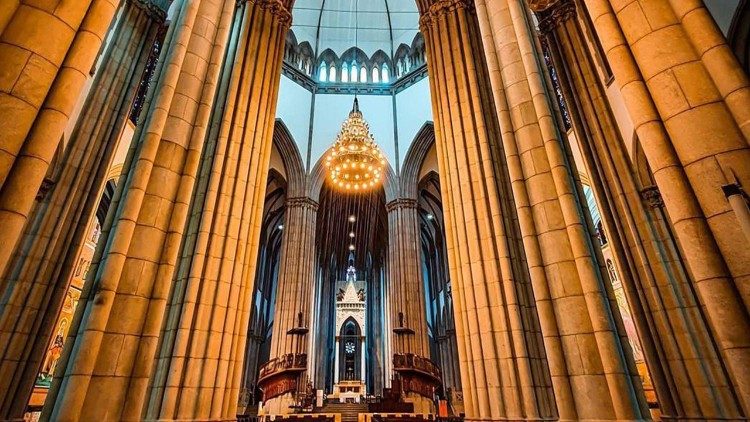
pixel 351 234
pixel 352 218
pixel 355 162
pixel 280 227
pixel 351 247
pixel 430 216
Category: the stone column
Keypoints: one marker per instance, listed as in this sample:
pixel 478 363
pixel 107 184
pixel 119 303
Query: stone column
pixel 407 304
pixel 362 353
pixel 41 270
pixel 163 329
pixel 285 373
pixel 668 319
pixel 717 57
pixel 43 77
pixel 336 361
pixel 691 135
pixel 520 252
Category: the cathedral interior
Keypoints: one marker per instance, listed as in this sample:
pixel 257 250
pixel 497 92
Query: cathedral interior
pixel 374 211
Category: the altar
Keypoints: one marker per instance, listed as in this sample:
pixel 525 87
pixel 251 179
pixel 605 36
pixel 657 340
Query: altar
pixel 349 359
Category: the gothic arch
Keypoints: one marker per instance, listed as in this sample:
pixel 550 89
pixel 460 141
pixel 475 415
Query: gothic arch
pixel 290 155
pixel 306 57
pixel 357 54
pixel 379 57
pixel 417 53
pixel 401 60
pixel 328 58
pixel 423 141
pixel 344 326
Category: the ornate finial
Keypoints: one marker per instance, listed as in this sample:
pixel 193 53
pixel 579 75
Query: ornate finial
pixel 351 274
pixel 355 107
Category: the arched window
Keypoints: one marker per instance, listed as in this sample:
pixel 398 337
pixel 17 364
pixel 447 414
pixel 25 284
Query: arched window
pixel 354 72
pixel 375 74
pixel 363 74
pixel 345 72
pixel 323 73
pixel 332 73
pixel 384 76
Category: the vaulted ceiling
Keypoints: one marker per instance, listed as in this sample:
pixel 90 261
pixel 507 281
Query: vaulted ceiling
pixel 382 24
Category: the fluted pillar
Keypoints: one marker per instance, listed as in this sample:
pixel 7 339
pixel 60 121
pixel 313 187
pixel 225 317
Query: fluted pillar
pixel 407 303
pixel 162 332
pixel 670 326
pixel 690 130
pixel 285 373
pixel 41 270
pixel 43 77
pixel 199 364
pixel 521 255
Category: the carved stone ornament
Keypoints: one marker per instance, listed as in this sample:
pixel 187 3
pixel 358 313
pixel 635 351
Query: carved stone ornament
pixel 302 201
pixel 652 197
pixel 277 8
pixel 401 203
pixel 439 8
pixel 553 17
pixel 156 9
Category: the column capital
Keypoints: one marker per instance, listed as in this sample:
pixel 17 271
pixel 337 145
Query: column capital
pixel 400 203
pixel 432 10
pixel 542 5
pixel 278 8
pixel 156 9
pixel 553 14
pixel 652 197
pixel 302 201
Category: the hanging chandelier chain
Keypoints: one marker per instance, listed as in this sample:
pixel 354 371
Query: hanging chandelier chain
pixel 355 162
pixel 356 42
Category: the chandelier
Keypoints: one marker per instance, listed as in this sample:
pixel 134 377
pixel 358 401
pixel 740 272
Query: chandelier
pixel 355 162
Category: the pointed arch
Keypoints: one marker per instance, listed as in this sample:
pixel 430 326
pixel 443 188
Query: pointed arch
pixel 355 54
pixel 345 72
pixel 291 157
pixel 323 72
pixel 423 141
pixel 350 322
